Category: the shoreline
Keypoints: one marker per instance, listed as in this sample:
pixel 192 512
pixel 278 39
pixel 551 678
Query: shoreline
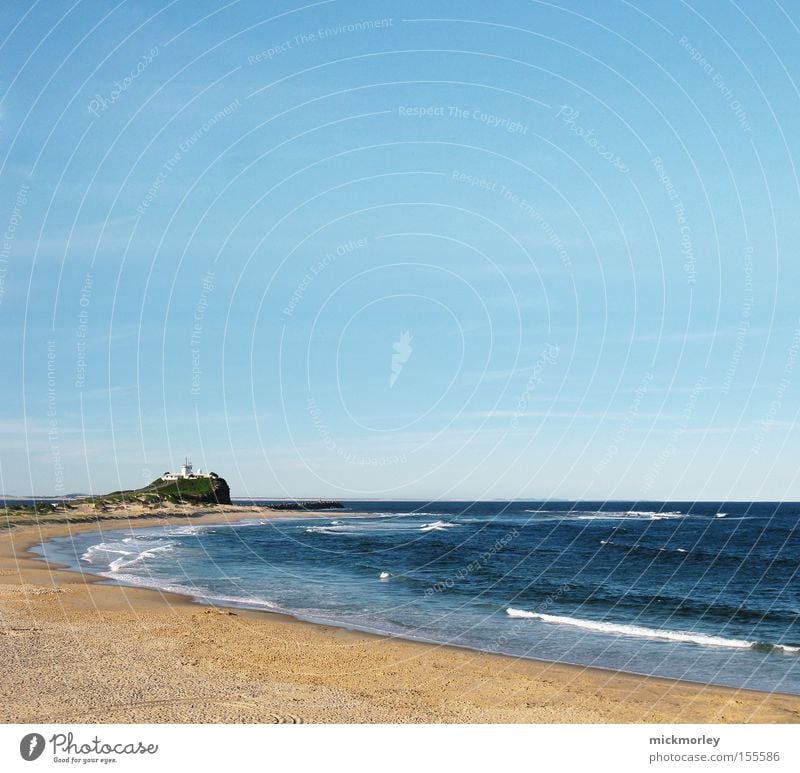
pixel 246 665
pixel 274 514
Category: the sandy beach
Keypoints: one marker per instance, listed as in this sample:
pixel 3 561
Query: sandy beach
pixel 77 651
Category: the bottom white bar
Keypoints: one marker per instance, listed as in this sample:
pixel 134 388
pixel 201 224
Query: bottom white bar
pixel 390 748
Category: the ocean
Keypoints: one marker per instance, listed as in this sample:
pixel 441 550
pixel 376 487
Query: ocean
pixel 708 592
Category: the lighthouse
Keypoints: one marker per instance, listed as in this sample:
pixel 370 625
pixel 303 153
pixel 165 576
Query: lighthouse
pixel 187 471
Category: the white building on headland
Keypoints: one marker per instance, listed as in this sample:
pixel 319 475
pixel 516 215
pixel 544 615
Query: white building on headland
pixel 186 472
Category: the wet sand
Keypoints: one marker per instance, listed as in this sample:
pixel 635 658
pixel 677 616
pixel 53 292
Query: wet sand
pixel 78 651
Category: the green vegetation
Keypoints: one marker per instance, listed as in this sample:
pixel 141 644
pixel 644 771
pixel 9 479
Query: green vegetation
pixel 213 490
pixel 116 505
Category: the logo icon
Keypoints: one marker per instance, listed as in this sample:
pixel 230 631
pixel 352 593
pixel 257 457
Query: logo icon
pixel 402 351
pixel 31 746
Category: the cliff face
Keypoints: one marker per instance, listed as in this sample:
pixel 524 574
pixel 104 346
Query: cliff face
pixel 220 492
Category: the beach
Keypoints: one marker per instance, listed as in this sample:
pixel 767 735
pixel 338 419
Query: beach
pixel 79 651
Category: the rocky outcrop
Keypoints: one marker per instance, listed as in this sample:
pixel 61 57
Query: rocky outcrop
pixel 320 504
pixel 211 490
pixel 220 492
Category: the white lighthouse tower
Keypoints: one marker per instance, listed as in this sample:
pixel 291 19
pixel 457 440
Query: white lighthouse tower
pixel 187 471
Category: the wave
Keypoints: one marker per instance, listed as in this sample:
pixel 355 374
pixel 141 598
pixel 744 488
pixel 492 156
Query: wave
pixel 653 515
pixel 630 515
pixel 93 550
pixel 356 530
pixel 602 515
pixel 238 600
pixel 333 529
pixel 650 548
pixel 438 526
pixel 654 512
pixel 130 550
pixel 652 633
pixel 124 561
pixel 200 595
pixel 379 514
pixel 359 529
pixel 189 531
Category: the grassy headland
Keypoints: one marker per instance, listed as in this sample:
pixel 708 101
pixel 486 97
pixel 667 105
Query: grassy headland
pixel 160 495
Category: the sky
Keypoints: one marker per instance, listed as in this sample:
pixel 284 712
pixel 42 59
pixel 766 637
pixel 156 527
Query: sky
pixel 446 250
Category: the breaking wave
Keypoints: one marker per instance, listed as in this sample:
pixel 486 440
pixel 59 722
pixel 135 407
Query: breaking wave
pixel 651 633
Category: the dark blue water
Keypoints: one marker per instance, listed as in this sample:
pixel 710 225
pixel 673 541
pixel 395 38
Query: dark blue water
pixel 701 591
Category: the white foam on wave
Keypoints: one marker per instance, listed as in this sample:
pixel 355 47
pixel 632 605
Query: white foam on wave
pixel 93 550
pixel 245 600
pixel 188 530
pixel 146 541
pixel 610 515
pixel 636 547
pixel 384 576
pixel 125 561
pixel 366 515
pixel 197 594
pixel 641 631
pixel 438 526
pixel 631 515
pixel 364 529
pixel 332 529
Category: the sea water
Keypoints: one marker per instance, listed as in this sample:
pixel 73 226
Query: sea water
pixel 708 592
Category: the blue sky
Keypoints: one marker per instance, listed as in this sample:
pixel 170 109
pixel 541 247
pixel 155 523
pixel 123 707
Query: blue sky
pixel 440 249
